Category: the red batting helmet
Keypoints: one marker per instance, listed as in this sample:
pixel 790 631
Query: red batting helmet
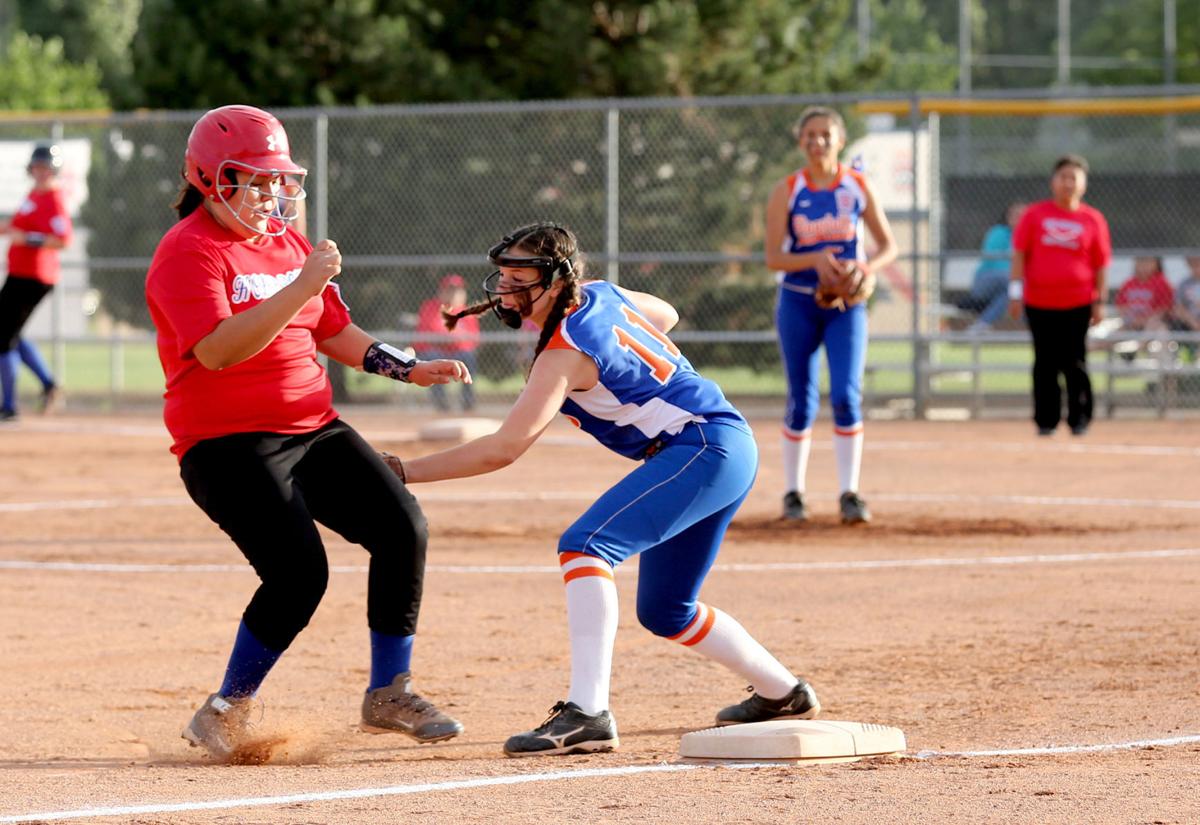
pixel 240 137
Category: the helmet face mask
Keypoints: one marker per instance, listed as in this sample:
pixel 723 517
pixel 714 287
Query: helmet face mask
pixel 546 266
pixel 282 190
pixel 244 139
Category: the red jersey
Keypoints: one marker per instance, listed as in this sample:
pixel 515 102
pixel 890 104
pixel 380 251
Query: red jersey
pixel 202 274
pixel 1139 298
pixel 429 319
pixel 1063 250
pixel 40 212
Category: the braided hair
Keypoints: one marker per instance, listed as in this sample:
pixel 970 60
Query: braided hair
pixel 549 240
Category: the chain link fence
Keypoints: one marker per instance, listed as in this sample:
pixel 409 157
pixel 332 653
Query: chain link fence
pixel 666 196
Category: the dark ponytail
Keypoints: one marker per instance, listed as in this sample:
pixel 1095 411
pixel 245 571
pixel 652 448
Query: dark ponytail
pixel 451 319
pixel 187 200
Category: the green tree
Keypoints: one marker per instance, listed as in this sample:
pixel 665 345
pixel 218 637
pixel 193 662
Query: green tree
pixel 92 31
pixel 285 53
pixel 35 75
pixel 1133 31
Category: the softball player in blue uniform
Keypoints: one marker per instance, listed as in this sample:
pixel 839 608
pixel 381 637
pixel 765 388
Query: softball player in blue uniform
pixel 814 224
pixel 605 361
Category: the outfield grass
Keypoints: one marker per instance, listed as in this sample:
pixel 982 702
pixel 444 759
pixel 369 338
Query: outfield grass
pixel 132 369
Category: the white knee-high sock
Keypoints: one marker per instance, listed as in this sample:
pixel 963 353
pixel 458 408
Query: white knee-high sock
pixel 796 447
pixel 847 450
pixel 592 620
pixel 721 638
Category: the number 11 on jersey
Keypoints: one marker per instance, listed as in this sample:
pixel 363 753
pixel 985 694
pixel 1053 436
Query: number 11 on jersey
pixel 661 367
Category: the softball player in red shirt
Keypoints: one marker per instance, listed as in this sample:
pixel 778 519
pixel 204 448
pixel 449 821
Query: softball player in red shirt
pixel 36 233
pixel 242 305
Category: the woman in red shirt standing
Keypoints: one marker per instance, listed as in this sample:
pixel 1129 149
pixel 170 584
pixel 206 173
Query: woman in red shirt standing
pixel 36 233
pixel 243 304
pixel 1060 270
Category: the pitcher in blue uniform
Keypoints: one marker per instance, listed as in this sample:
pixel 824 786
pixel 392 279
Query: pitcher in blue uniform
pixel 604 360
pixel 814 223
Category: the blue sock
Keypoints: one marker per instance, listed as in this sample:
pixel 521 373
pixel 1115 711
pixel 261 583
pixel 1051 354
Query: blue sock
pixel 248 665
pixel 33 359
pixel 8 378
pixel 390 655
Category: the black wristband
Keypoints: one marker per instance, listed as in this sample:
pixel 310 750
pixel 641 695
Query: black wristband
pixel 384 359
pixel 35 239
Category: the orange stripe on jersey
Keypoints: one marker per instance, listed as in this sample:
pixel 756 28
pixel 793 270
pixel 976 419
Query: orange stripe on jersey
pixel 859 177
pixel 580 572
pixel 557 341
pixel 708 623
pixel 837 179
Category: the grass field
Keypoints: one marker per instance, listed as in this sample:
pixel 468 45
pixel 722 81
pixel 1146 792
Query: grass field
pixel 131 369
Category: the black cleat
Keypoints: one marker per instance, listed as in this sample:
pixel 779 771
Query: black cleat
pixel 567 730
pixel 793 507
pixel 854 509
pixel 801 703
pixel 1045 431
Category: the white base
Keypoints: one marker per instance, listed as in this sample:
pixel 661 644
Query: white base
pixel 794 740
pixel 458 429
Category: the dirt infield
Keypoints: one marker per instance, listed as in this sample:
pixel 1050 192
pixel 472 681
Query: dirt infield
pixel 1027 611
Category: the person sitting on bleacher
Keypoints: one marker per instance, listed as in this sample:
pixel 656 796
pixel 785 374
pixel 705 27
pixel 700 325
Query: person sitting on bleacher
pixel 989 287
pixel 1144 301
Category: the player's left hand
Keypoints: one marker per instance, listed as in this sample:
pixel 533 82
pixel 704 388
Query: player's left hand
pixel 394 464
pixel 442 371
pixel 855 286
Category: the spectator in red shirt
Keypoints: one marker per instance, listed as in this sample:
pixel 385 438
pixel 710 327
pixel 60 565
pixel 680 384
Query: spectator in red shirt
pixel 36 233
pixel 1144 301
pixel 1060 270
pixel 435 341
pixel 242 304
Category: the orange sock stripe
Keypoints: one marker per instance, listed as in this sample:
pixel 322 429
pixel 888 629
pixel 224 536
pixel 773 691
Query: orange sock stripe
pixel 791 436
pixel 690 625
pixel 708 623
pixel 703 614
pixel 563 558
pixel 855 430
pixel 580 572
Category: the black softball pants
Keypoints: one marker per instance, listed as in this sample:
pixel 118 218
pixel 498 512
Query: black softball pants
pixel 1060 346
pixel 19 297
pixel 267 491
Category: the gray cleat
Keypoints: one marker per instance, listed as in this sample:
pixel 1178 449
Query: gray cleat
pixel 794 508
pixel 220 725
pixel 801 703
pixel 854 509
pixel 396 709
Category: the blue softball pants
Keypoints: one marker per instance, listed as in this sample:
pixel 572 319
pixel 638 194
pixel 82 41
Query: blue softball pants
pixel 673 510
pixel 802 327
